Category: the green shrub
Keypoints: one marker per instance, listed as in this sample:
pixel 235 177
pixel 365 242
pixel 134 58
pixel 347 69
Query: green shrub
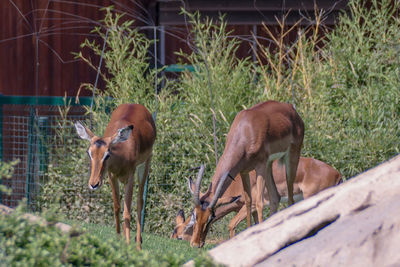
pixel 6 172
pixel 24 243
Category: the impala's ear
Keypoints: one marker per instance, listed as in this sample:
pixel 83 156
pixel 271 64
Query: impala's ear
pixel 192 187
pixel 122 135
pixel 83 132
pixel 180 218
pixel 226 201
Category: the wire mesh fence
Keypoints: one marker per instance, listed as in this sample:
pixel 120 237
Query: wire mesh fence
pixel 27 127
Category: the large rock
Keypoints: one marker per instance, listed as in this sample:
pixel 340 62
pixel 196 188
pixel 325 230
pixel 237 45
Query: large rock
pixel 354 224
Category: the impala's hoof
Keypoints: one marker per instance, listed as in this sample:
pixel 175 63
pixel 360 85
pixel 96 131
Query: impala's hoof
pixel 197 245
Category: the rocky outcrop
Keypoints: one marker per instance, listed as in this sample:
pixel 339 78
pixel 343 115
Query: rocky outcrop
pixel 356 223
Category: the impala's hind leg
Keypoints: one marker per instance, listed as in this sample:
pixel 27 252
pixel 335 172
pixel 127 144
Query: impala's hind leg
pixel 292 161
pixel 247 195
pixel 273 194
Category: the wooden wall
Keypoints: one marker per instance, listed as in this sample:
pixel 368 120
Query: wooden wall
pixel 61 29
pixel 62 25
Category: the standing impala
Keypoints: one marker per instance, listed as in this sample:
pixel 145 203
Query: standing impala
pixel 127 142
pixel 312 177
pixel 268 131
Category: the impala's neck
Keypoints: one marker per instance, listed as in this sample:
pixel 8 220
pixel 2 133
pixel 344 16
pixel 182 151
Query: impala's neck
pixel 224 210
pixel 228 165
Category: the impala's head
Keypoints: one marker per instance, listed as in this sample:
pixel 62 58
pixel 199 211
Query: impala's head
pixel 99 151
pixel 183 228
pixel 204 209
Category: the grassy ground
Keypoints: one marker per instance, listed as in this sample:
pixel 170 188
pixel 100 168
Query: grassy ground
pixel 151 242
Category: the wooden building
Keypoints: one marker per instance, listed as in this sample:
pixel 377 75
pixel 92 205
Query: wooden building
pixel 38 38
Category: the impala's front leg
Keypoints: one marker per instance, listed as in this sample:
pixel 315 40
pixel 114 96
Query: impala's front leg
pixel 115 196
pixel 127 207
pixel 291 170
pixel 247 195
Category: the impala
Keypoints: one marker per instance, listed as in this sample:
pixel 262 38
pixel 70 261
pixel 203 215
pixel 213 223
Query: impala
pixel 127 142
pixel 312 177
pixel 268 131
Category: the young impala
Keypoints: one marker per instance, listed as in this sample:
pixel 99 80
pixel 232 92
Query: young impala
pixel 268 131
pixel 127 142
pixel 312 177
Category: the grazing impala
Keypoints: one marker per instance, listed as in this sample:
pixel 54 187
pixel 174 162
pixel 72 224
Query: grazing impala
pixel 312 177
pixel 128 141
pixel 268 131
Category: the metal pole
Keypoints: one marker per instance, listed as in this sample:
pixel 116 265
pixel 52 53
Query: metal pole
pixel 30 169
pixel 143 213
pixel 97 76
pixel 213 110
pixel 254 41
pixel 37 67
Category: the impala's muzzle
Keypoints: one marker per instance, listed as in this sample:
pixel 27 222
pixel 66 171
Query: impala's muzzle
pixel 202 219
pixel 97 171
pixel 94 186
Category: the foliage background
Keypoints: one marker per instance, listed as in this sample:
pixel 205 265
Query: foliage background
pixel 345 82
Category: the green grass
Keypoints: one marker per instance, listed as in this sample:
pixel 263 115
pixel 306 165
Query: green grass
pixel 151 242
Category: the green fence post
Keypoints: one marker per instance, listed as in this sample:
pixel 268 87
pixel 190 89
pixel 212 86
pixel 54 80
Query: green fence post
pixel 42 131
pixel 140 173
pixel 29 170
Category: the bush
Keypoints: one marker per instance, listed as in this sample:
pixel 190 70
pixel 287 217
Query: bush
pixel 6 172
pixel 23 243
